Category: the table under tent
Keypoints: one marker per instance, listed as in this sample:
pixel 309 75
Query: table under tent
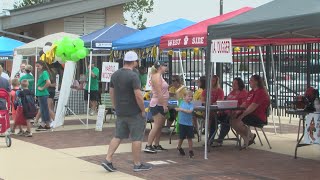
pixel 287 36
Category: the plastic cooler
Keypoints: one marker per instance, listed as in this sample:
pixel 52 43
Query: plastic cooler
pixel 227 104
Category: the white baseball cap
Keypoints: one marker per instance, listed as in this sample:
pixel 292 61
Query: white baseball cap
pixel 131 56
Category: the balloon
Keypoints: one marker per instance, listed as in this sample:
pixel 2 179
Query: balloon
pixel 74 57
pixel 46 49
pixel 237 49
pixel 78 43
pixel 81 53
pixel 59 51
pixel 48 44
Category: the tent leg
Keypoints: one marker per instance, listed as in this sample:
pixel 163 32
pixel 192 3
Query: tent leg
pixel 208 103
pixel 89 75
pixel 181 66
pixel 275 87
pixel 266 81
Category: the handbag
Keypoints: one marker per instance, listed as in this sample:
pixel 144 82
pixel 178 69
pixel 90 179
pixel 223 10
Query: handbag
pixel 20 119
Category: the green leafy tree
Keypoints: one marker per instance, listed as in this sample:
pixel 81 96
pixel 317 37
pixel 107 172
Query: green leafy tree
pixel 24 3
pixel 137 10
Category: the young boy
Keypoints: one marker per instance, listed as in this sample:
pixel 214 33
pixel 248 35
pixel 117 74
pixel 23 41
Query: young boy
pixel 185 123
pixel 22 94
pixel 15 87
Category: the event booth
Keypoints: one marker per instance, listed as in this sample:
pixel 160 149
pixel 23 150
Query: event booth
pixel 291 22
pixel 7 46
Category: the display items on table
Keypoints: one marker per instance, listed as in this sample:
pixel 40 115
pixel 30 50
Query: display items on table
pixel 312 130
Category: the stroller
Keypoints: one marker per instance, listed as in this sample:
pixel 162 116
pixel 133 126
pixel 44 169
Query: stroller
pixel 4 117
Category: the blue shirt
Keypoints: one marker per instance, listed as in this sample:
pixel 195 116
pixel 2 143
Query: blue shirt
pixel 186 118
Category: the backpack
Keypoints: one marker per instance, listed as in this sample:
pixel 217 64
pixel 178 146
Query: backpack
pixel 28 104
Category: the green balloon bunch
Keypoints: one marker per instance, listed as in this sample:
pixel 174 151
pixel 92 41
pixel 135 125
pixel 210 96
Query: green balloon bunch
pixel 71 49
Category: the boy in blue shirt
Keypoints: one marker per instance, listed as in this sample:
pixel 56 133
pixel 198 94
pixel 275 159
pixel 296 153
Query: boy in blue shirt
pixel 185 123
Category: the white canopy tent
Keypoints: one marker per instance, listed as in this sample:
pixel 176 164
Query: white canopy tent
pixel 32 49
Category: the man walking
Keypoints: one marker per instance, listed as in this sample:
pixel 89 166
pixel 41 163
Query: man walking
pixel 127 100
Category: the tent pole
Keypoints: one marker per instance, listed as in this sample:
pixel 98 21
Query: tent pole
pixel 181 66
pixel 89 75
pixel 36 72
pixel 208 103
pixel 267 86
pixel 275 87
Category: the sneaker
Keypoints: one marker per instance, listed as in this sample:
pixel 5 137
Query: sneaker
pixel 108 166
pixel 141 167
pixel 149 149
pixel 181 152
pixel 47 127
pixel 27 134
pixel 20 133
pixel 41 128
pixel 159 148
pixel 191 154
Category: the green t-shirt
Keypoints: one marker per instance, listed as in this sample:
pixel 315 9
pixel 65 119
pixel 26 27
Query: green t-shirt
pixel 44 76
pixel 30 79
pixel 94 80
pixel 143 79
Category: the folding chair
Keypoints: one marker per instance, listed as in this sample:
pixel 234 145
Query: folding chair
pixel 149 118
pixel 106 100
pixel 260 126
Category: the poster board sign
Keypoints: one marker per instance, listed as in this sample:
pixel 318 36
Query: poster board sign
pixel 100 117
pixel 148 85
pixel 221 50
pixel 312 130
pixel 108 68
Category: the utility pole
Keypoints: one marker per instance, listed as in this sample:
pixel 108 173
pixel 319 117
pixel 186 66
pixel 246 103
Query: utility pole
pixel 221 7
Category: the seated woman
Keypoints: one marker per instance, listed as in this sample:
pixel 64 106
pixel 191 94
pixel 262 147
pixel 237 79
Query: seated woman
pixel 238 93
pixel 256 105
pixel 217 94
pixel 176 91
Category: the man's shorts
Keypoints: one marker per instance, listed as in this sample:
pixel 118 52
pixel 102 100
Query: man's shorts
pixel 130 126
pixel 185 132
pixel 156 110
pixel 94 95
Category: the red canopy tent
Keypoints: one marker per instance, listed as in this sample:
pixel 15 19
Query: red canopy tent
pixel 196 35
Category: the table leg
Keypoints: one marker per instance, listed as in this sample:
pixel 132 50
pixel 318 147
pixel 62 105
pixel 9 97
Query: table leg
pixel 299 127
pixel 298 143
pixel 215 131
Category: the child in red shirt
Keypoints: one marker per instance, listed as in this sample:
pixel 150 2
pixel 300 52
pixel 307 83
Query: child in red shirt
pixel 15 87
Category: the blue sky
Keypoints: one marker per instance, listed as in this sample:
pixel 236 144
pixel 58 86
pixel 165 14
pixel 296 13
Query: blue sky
pixel 194 10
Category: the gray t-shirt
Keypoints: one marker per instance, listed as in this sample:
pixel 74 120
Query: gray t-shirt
pixel 4 84
pixel 124 82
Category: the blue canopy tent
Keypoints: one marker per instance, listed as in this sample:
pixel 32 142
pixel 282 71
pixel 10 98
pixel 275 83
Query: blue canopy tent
pixel 7 46
pixel 102 40
pixel 150 36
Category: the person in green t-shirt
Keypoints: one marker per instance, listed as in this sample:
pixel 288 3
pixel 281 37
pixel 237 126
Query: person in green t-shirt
pixel 29 77
pixel 94 88
pixel 143 76
pixel 42 94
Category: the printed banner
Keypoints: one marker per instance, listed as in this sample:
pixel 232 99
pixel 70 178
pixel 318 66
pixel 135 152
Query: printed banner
pixel 312 130
pixel 148 85
pixel 108 68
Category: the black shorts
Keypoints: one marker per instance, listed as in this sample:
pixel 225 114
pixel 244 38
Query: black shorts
pixel 252 120
pixel 94 95
pixel 156 110
pixel 185 132
pixel 52 94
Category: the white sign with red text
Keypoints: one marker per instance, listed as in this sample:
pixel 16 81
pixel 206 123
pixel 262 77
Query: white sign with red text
pixel 221 50
pixel 148 85
pixel 108 68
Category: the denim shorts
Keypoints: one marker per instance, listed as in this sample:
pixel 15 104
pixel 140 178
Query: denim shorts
pixel 156 110
pixel 130 126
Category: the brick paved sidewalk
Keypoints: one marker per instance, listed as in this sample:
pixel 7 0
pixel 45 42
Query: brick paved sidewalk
pixel 224 163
